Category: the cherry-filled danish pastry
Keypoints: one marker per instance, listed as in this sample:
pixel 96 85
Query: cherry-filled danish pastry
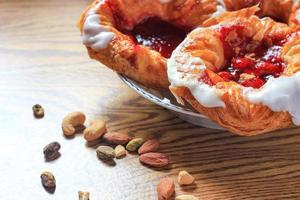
pixel 294 20
pixel 241 71
pixel 277 9
pixel 135 37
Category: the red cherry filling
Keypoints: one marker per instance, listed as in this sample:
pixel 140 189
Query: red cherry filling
pixel 158 35
pixel 253 82
pixel 242 63
pixel 249 63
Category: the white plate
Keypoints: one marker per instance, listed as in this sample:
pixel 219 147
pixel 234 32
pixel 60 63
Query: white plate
pixel 166 100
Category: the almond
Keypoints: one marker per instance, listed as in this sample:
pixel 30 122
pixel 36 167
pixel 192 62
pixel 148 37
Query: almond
pixel 184 178
pixel 165 188
pixel 117 138
pixel 154 159
pixel 149 146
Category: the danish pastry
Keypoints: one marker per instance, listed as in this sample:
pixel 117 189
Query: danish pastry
pixel 277 9
pixel 294 20
pixel 241 71
pixel 135 38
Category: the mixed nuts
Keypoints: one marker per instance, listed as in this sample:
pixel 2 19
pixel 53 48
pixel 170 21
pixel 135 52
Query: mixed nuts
pixel 83 195
pixel 71 121
pixel 105 153
pixel 117 138
pixel 154 159
pixel 186 197
pixel 48 181
pixel 134 144
pixel 120 151
pixel 51 151
pixel 97 129
pixel 165 188
pixel 38 111
pixel 184 178
pixel 151 145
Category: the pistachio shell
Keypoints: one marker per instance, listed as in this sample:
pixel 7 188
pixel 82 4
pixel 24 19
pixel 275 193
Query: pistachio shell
pixel 134 144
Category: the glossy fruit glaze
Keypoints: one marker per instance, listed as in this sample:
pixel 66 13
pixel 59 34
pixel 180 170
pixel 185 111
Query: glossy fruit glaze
pixel 158 35
pixel 152 32
pixel 250 63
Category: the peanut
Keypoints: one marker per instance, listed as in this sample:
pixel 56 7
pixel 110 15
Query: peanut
pixel 96 129
pixel 71 121
pixel 184 178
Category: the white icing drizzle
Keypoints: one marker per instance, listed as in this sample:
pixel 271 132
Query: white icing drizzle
pixel 279 94
pixel 221 8
pixel 297 17
pixel 94 34
pixel 180 66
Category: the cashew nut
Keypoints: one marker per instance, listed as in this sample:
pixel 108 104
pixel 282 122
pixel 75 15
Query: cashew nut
pixel 70 122
pixel 96 129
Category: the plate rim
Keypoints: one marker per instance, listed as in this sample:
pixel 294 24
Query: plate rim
pixel 154 99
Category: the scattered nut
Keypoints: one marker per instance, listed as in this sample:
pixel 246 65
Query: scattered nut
pixel 38 111
pixel 151 145
pixel 117 138
pixel 96 129
pixel 186 197
pixel 165 189
pixel 83 195
pixel 51 151
pixel 184 178
pixel 105 153
pixel 154 159
pixel 120 151
pixel 48 181
pixel 134 144
pixel 71 121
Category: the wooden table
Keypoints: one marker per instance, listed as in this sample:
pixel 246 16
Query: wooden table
pixel 43 61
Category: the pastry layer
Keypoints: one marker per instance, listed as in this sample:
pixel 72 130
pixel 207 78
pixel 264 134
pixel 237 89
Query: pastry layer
pixel 195 66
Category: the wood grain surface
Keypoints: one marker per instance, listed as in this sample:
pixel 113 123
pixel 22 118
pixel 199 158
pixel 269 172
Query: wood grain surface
pixel 43 61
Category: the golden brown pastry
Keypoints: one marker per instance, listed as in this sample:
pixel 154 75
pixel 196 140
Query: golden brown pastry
pixel 294 20
pixel 277 9
pixel 241 72
pixel 135 38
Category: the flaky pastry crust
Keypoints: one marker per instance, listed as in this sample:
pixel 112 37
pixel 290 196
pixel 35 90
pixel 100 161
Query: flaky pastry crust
pixel 277 9
pixel 136 61
pixel 239 115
